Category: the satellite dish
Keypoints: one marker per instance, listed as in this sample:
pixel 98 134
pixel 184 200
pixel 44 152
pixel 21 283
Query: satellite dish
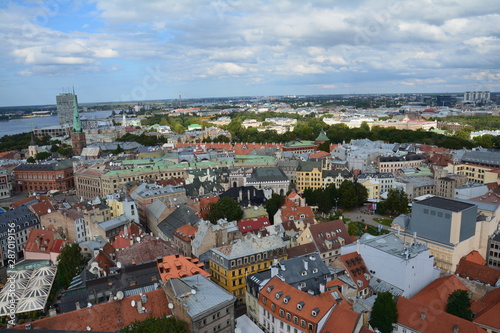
pixel 132 303
pixel 138 239
pixel 119 295
pixel 119 264
pixel 193 291
pixel 89 305
pixel 170 306
pixel 49 210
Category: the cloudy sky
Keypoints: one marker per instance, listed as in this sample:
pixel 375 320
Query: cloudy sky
pixel 120 50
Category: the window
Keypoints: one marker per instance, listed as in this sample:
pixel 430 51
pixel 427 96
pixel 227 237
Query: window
pixel 273 307
pixel 288 316
pixel 295 320
pixel 264 300
pixel 302 323
pixel 282 313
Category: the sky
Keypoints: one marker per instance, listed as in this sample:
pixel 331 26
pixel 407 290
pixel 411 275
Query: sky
pixel 123 50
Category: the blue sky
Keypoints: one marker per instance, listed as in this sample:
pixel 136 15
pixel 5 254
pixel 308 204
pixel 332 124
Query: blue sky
pixel 120 50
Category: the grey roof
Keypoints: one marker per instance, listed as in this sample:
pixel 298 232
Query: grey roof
pixel 391 244
pixel 114 223
pixel 306 166
pixel 378 286
pixel 156 208
pixel 48 165
pixel 482 157
pixel 445 203
pixel 292 271
pixel 250 245
pixel 150 190
pixel 402 220
pixel 94 244
pixel 268 174
pixel 19 216
pixel 199 295
pixel 376 175
pixel 335 173
pixel 181 216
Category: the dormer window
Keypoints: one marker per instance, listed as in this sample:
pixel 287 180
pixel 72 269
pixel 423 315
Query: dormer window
pixel 304 273
pixel 270 288
pixel 315 270
pixel 315 312
pixel 279 294
pixel 300 305
pixel 286 299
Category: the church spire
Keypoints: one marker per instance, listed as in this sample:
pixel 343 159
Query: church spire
pixel 77 124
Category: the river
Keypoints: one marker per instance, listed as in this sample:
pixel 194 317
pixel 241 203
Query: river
pixel 21 125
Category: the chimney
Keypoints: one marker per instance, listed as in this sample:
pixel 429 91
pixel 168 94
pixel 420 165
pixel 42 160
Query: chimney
pixel 306 264
pixel 322 288
pixel 240 196
pixel 422 316
pixel 358 246
pixel 455 328
pixel 274 269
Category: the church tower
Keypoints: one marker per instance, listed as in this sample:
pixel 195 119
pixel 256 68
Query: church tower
pixel 33 147
pixel 78 141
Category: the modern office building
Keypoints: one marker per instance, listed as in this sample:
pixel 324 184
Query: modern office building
pixel 65 105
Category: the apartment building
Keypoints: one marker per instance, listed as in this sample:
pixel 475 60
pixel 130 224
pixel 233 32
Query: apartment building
pixel 230 264
pixel 387 164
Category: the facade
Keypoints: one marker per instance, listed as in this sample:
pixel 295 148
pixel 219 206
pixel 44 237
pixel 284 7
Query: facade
pixel 43 245
pixel 182 239
pixel 230 264
pixel 387 164
pixel 301 147
pixel 283 308
pixel 15 226
pixel 493 252
pixel 328 237
pixel 408 268
pixel 337 177
pixel 447 183
pixel 5 184
pixel 88 182
pixel 65 106
pixel 210 236
pixel 145 194
pixel 477 96
pixel 202 304
pixel 377 183
pixel 474 172
pixel 309 175
pixel 122 204
pixel 269 177
pixel 45 176
pixel 68 223
pixel 448 227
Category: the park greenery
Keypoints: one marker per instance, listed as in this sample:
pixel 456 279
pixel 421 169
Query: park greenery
pixel 459 304
pixel 349 194
pixel 384 313
pixel 225 208
pixel 70 264
pixel 395 204
pixel 273 204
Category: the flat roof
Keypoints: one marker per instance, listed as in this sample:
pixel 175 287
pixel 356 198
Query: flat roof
pixel 444 203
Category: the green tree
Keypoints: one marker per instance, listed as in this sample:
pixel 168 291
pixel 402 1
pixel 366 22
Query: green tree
pixel 70 264
pixel 31 159
pixel 227 208
pixel 157 325
pixel 384 313
pixel 273 204
pixel 54 148
pixel 118 150
pixel 361 193
pixel 347 194
pixel 395 204
pixel 459 304
pixel 43 155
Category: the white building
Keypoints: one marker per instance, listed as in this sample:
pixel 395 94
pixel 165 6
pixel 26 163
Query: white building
pixel 409 268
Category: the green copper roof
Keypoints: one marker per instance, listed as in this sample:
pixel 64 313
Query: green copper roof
pixel 77 123
pixel 322 136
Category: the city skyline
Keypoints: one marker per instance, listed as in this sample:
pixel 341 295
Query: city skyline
pixel 130 51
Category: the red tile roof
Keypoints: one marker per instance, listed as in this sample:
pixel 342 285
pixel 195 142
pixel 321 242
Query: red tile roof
pixel 427 318
pixel 42 208
pixel 319 154
pixel 106 317
pixel 185 233
pixel 44 241
pixel 476 257
pixel 177 266
pixel 490 319
pixel 149 248
pixel 326 235
pixel 104 261
pixel 356 269
pixel 296 213
pixel 289 300
pixel 477 272
pixel 491 198
pixel 23 201
pixel 436 293
pixel 341 320
pixel 253 224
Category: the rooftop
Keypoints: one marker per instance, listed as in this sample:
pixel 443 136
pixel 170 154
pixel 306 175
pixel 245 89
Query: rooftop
pixel 178 266
pixel 198 293
pixel 250 245
pixel 444 203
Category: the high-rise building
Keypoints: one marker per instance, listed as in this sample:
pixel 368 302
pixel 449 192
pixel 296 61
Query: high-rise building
pixel 65 106
pixel 78 140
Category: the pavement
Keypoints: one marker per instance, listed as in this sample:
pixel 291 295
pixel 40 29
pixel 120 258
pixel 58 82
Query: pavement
pixel 360 214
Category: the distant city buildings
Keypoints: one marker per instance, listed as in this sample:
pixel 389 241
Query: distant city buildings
pixel 66 103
